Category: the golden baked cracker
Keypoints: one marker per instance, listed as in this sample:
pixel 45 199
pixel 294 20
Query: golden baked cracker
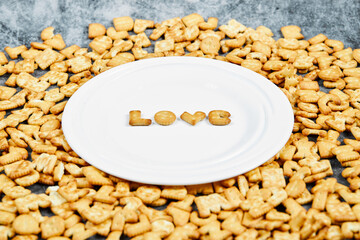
pixel 260 47
pixel 6 92
pixel 100 66
pixel 114 235
pixel 219 117
pixel 141 227
pixel 43 105
pixel 317 39
pixel 192 19
pixel 26 224
pixel 213 229
pixel 101 44
pixel 69 51
pixel 78 64
pixel 164 117
pixel 122 189
pixel 47 33
pixel 140 25
pixel 46 179
pixel 210 45
pixel 39 46
pixel 95 177
pixel 292 207
pixel 96 214
pixel 352 72
pixel 339 211
pixel 277 216
pixel 14 52
pixel 25 80
pixel 164 46
pixel 140 40
pixel 58 171
pixel 356 53
pixel 51 227
pixel 272 177
pixel 123 23
pixel 18 169
pixel 174 192
pixel 35 95
pixel 56 42
pixel 180 217
pixel 3 70
pixel 158 32
pixel 96 29
pixel 233 223
pixel 10 67
pixel 74 170
pixel 26 65
pixel 148 194
pixel 121 58
pixel 6 232
pixel 66 157
pixel 164 227
pixel 81 52
pixel 104 195
pixel 77 77
pixel 292 31
pixel 114 35
pixel 70 191
pixel 102 229
pixel 46 58
pixel 195 219
pixel 118 221
pixel 189 230
pixel 211 24
pixel 54 77
pixel 28 180
pixel 185 204
pixel 15 154
pixel 211 203
pixel 54 95
pixel 18 139
pixel 3 59
pixel 6 218
pixel 154 215
pixel 69 89
pixel 232 28
pixel 72 220
pixel 45 163
pixel 78 232
pixel 136 120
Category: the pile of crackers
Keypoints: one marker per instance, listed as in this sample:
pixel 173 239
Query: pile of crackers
pixel 291 196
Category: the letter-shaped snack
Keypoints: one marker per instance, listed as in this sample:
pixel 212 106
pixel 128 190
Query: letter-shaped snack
pixel 193 119
pixel 136 120
pixel 219 117
pixel 165 118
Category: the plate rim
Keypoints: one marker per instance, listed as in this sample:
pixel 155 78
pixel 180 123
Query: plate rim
pixel 66 118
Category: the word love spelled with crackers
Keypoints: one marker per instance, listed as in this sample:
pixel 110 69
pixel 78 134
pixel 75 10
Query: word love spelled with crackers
pixel 165 118
pixel 293 195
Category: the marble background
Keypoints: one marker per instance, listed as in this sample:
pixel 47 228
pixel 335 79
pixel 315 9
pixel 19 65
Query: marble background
pixel 22 21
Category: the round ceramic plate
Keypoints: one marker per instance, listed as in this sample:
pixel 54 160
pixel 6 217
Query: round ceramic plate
pixel 96 121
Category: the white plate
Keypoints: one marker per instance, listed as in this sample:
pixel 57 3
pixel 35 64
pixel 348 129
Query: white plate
pixel 95 121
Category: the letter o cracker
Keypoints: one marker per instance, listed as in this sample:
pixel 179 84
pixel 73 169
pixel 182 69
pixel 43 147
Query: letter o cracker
pixel 165 118
pixel 26 224
pixel 210 45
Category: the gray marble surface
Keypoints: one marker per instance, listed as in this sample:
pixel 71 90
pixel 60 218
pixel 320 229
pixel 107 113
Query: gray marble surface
pixel 22 21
